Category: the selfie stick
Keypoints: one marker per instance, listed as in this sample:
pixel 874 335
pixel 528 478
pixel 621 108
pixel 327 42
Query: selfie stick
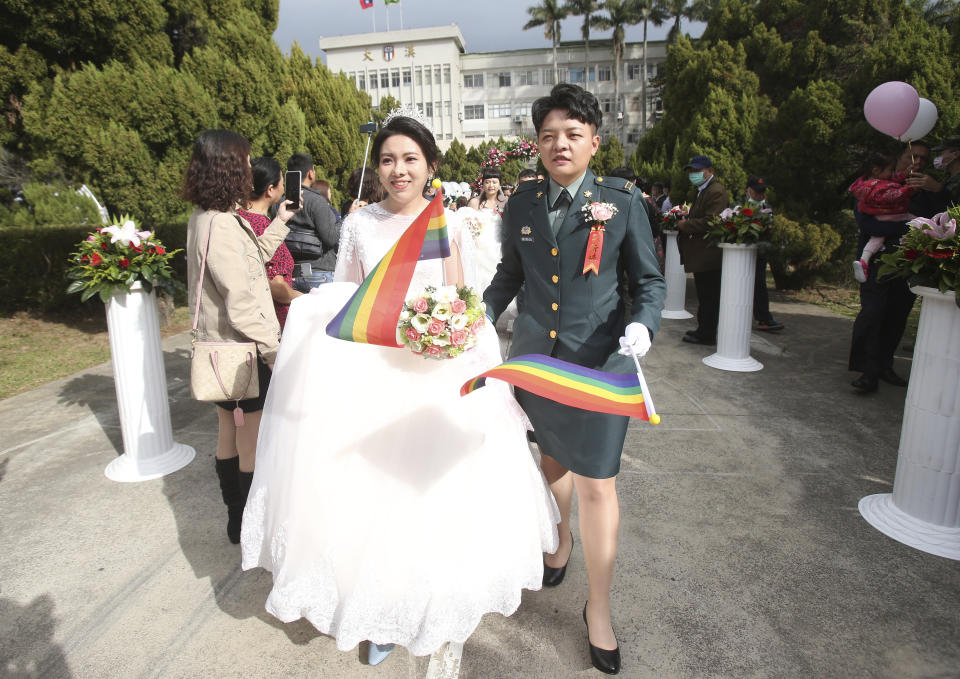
pixel 363 165
pixel 647 399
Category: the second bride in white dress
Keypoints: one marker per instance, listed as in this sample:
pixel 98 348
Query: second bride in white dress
pixel 388 507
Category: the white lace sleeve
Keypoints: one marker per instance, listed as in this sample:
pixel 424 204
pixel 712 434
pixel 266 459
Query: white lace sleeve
pixel 468 250
pixel 349 269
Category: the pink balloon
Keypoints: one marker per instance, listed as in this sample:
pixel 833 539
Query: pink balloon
pixel 892 107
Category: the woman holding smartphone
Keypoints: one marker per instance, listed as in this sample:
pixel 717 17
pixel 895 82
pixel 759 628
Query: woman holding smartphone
pixel 235 304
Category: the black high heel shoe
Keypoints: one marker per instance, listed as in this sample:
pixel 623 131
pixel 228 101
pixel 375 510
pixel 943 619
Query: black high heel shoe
pixel 606 661
pixel 554 576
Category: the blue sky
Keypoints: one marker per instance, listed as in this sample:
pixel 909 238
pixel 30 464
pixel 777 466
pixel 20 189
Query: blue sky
pixel 487 25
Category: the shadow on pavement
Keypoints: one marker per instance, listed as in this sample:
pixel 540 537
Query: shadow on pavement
pixel 26 641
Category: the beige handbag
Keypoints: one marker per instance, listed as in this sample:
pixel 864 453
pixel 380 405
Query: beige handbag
pixel 221 371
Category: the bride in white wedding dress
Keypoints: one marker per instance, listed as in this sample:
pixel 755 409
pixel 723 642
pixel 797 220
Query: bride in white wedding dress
pixel 388 507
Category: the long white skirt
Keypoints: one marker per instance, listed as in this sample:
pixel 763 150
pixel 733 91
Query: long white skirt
pixel 388 507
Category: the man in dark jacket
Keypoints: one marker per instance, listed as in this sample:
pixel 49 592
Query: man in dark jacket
pixel 698 256
pixel 314 231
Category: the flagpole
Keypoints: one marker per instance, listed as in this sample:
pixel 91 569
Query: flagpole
pixel 647 399
pixel 387 9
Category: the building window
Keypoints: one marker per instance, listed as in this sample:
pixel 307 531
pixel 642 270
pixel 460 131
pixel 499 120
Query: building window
pixel 428 109
pixel 548 77
pixel 446 108
pixel 633 137
pixel 406 76
pixel 436 74
pixel 528 78
pixel 521 109
pixel 498 111
pixel 503 79
pixel 438 107
pixel 449 135
pixel 606 105
pixel 395 77
pixel 473 80
pixel 473 112
pixel 633 71
pixel 634 103
pixel 604 73
pixel 373 81
pixel 446 74
pixel 384 79
pixel 361 81
pixel 576 74
pixel 657 104
pixel 427 77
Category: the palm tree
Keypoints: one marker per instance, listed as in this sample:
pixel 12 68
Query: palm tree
pixel 548 14
pixel 679 10
pixel 652 12
pixel 585 9
pixel 620 14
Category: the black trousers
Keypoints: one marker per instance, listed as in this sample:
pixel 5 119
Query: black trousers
pixel 761 298
pixel 884 307
pixel 707 284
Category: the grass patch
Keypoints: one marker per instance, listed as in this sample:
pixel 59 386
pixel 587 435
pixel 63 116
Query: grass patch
pixel 36 348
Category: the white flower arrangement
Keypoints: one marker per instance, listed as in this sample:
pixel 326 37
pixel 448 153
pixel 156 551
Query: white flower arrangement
pixel 442 322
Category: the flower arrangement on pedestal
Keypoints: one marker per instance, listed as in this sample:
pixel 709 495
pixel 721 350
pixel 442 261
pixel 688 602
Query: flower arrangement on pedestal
pixel 929 253
pixel 441 322
pixel 522 148
pixel 674 215
pixel 114 257
pixel 741 225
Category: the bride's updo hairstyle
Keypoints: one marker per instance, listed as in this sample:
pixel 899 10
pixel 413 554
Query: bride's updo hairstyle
pixel 408 127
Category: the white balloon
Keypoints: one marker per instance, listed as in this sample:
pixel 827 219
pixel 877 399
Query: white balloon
pixel 925 120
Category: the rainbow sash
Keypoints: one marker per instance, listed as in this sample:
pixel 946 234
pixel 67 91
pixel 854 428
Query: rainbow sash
pixel 371 315
pixel 570 384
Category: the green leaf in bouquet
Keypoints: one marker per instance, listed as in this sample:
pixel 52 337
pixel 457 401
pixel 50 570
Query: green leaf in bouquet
pixel 76 286
pixel 105 293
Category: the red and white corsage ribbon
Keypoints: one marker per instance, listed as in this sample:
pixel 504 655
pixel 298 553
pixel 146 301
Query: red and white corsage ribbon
pixel 599 214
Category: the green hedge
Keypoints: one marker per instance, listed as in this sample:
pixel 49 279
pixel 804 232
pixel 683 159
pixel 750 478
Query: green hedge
pixel 33 265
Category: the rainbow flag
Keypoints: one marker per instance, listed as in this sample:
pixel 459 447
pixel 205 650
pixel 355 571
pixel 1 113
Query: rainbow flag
pixel 570 384
pixel 372 313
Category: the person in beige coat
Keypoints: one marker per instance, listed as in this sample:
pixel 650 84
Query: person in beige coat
pixel 235 300
pixel 698 256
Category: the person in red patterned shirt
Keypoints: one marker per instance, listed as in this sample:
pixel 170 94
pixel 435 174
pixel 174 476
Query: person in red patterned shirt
pixel 267 190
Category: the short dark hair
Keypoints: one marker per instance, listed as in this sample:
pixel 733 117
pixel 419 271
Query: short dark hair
pixel 576 101
pixel 302 162
pixel 408 127
pixel 218 174
pixel 873 160
pixel 623 173
pixel 526 174
pixel 266 173
pixel 490 173
pixel 657 185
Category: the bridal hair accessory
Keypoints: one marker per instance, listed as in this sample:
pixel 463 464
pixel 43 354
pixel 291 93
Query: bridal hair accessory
pixel 407 111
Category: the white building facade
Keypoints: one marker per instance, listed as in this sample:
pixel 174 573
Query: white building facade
pixel 486 95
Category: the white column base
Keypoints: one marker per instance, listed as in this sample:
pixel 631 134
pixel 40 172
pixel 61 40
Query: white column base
pixel 740 365
pixel 676 278
pixel 881 513
pixel 128 469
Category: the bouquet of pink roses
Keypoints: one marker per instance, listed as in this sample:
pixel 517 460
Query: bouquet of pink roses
pixel 442 322
pixel 674 215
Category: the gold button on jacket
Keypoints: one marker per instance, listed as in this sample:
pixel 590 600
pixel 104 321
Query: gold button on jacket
pixel 554 252
pixel 555 279
pixel 554 306
pixel 553 334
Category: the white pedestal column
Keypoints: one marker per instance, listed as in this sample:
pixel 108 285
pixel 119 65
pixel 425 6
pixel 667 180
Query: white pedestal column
pixel 141 382
pixel 676 277
pixel 736 310
pixel 924 509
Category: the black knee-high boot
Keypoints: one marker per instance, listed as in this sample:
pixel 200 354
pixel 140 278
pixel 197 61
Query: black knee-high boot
pixel 246 478
pixel 228 471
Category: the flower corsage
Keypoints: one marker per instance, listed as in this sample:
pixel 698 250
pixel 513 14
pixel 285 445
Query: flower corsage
pixel 442 322
pixel 598 214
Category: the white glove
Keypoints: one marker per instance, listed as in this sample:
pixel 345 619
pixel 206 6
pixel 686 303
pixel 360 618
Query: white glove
pixel 636 339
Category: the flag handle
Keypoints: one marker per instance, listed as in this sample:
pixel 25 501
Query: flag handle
pixel 363 165
pixel 647 399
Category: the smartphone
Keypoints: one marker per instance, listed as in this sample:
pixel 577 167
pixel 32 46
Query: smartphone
pixel 368 128
pixel 294 190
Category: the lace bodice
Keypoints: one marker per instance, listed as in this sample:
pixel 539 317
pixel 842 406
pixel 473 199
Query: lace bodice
pixel 369 233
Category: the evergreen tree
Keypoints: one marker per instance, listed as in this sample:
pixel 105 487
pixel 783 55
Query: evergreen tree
pixel 608 157
pixel 455 167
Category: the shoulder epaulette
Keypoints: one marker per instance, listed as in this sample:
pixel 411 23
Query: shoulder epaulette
pixel 618 183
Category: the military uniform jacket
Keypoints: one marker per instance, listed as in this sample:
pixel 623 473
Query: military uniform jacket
pixel 697 254
pixel 584 313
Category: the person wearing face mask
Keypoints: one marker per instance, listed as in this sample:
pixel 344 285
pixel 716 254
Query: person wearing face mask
pixel 948 158
pixel 699 256
pixel 756 198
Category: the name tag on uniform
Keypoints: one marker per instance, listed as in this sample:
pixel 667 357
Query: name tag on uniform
pixel 525 234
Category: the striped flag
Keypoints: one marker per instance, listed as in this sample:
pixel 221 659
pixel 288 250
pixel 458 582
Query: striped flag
pixel 372 313
pixel 570 384
pixel 391 2
pixel 366 4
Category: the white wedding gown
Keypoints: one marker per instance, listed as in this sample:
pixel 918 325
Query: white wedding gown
pixel 388 507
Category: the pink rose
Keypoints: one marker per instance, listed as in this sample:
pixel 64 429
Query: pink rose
pixel 433 350
pixel 412 335
pixel 458 337
pixel 458 306
pixel 436 326
pixel 421 305
pixel 600 212
pixel 476 325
